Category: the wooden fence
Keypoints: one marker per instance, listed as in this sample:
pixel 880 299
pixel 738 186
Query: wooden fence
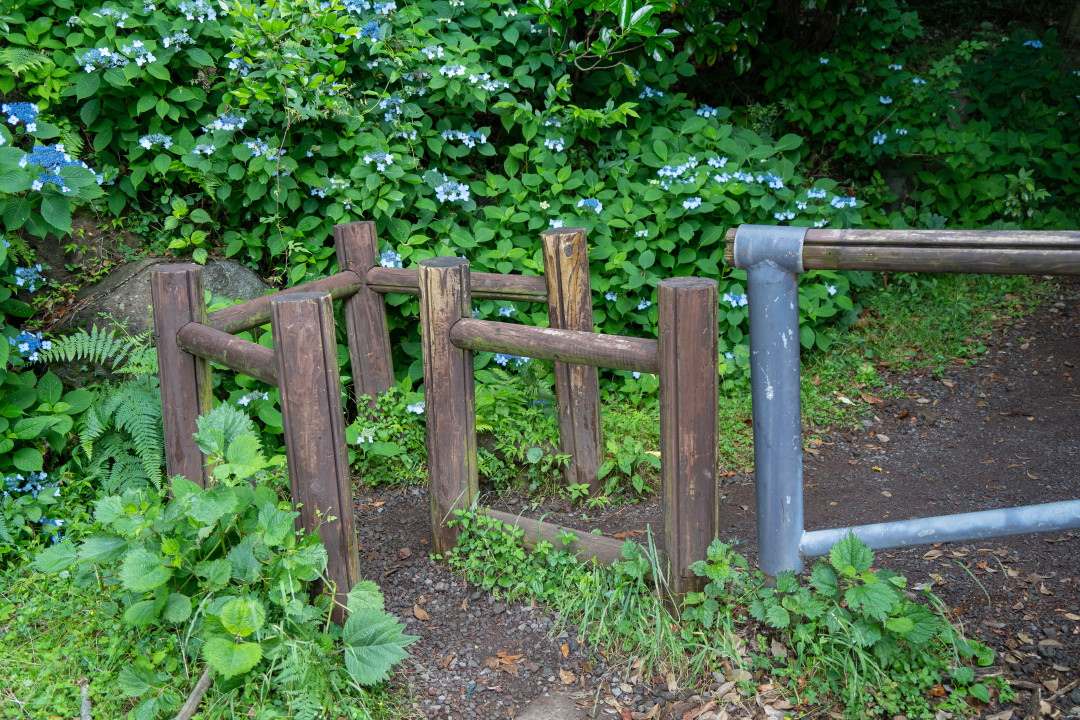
pixel 303 365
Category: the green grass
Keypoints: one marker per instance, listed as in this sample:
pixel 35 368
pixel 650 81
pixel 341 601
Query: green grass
pixel 56 636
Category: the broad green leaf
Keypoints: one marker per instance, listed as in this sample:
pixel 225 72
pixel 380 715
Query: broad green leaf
pixel 851 556
pixel 102 548
pixel 374 643
pixel 900 625
pixel 216 572
pixel 365 594
pixel 56 558
pixel 136 679
pixel 142 613
pixel 275 525
pixel 876 600
pixel 242 616
pixel 28 460
pixel 177 608
pixel 142 571
pixel 231 659
pixel 50 388
pixel 824 580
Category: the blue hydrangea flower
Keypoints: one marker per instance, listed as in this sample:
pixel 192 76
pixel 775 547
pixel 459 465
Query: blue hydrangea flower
pixel 197 10
pixel 647 92
pixel 917 81
pixel 555 223
pixel 896 66
pixel 879 138
pixel 706 112
pixel 468 139
pixel 823 60
pixel 611 296
pixel 390 259
pixel 149 141
pixel 900 131
pixel 178 39
pixel 729 355
pixel 452 190
pixel 227 122
pixel 416 408
pixel 452 70
pixel 1037 44
pixel 382 160
pixel 636 374
pixel 506 311
pixel 717 162
pixel 502 359
pixel 552 122
pixel 593 203
pixel 785 215
pixel 644 304
pixel 831 289
pixel 884 99
pixel 21 112
pixel 431 52
pixel 736 301
pixel 842 202
pixel 555 144
pixel 692 203
pixel 816 194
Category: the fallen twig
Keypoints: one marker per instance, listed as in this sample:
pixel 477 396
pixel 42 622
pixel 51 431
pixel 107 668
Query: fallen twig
pixel 196 695
pixel 1063 690
pixel 84 700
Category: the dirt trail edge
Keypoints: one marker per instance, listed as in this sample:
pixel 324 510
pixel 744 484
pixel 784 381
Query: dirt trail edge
pixel 1000 432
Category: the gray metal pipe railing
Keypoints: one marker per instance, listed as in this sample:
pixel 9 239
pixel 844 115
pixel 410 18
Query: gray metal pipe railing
pixel 772 257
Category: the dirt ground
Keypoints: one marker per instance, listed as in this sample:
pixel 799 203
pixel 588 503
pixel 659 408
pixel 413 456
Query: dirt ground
pixel 1000 432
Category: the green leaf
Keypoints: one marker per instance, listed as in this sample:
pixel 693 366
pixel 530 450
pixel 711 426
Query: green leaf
pixel 49 388
pixel 864 633
pixel 231 659
pixel 876 600
pixel 365 594
pixel 242 616
pixel 198 215
pixel 824 580
pixel 87 86
pixel 56 558
pixel 900 625
pixel 102 548
pixel 177 608
pixel 245 567
pixel 56 210
pixel 14 182
pixel 142 571
pixel 28 460
pixel 851 556
pixel 979 691
pixel 374 643
pixel 201 57
pixel 17 212
pixel 217 572
pixel 137 679
pixel 963 675
pixel 78 400
pixel 141 613
pixel 275 525
pixel 777 616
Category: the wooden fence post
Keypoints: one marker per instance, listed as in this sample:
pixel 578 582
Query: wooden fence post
pixel 302 325
pixel 577 387
pixel 449 394
pixel 186 391
pixel 689 424
pixel 365 312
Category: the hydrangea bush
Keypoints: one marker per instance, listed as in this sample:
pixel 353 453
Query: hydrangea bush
pixel 463 128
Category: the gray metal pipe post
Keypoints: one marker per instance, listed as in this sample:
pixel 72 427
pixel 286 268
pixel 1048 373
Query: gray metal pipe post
pixel 1048 517
pixel 772 258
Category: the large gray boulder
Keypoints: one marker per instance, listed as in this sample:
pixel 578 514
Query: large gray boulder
pixel 123 296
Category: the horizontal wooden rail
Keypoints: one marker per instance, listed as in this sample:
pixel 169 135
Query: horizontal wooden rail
pixel 572 346
pixel 521 288
pixel 1006 252
pixel 232 352
pixel 605 549
pixel 253 313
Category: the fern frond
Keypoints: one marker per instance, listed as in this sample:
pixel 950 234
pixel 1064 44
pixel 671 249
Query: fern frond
pixel 98 346
pixel 73 141
pixel 5 533
pixel 19 60
pixel 207 181
pixel 92 430
pixel 137 411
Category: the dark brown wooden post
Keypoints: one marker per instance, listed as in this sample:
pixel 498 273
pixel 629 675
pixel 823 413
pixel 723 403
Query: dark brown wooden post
pixel 186 392
pixel 449 394
pixel 365 312
pixel 302 325
pixel 689 424
pixel 577 388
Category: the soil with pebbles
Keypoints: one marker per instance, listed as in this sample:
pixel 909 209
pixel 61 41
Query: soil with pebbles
pixel 997 432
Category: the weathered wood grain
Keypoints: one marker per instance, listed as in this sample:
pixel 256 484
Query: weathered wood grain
pixel 186 390
pixel 253 313
pixel 689 425
pixel 449 394
pixel 310 387
pixel 605 549
pixel 998 252
pixel 365 313
pixel 241 355
pixel 577 387
pixel 573 346
pixel 517 288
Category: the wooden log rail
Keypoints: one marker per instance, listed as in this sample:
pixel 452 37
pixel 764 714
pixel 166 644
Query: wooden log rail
pixel 572 346
pixel 997 252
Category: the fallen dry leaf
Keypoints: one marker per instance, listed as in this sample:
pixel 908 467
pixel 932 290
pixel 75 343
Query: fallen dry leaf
pixel 947 383
pixel 872 399
pixel 1043 590
pixel 692 714
pixel 567 677
pixel 419 613
pixel 844 400
pixel 932 554
pixel 922 401
pixel 1071 616
pixel 672 683
pixel 626 534
pixel 1003 715
pixel 886 493
pixel 778 649
pixel 1051 684
pixel 1049 642
pixel 1024 639
pixel 882 438
pixel 565 650
pixel 783 705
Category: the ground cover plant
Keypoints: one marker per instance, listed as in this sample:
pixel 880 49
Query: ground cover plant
pixel 465 128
